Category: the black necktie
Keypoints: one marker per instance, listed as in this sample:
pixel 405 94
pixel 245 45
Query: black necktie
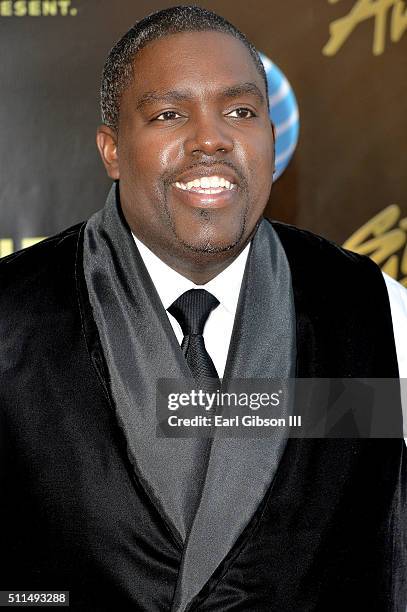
pixel 191 310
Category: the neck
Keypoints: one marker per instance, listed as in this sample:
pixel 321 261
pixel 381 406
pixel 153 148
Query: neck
pixel 201 272
pixel 199 268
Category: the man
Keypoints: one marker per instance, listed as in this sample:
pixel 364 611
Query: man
pixel 96 503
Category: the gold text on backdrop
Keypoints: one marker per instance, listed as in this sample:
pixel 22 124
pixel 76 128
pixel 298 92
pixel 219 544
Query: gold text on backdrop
pixel 37 8
pixel 384 239
pixel 342 28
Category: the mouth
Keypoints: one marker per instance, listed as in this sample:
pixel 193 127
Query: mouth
pixel 207 185
pixel 213 191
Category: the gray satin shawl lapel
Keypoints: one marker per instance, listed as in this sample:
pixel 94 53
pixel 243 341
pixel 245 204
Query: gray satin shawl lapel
pixel 240 471
pixel 139 346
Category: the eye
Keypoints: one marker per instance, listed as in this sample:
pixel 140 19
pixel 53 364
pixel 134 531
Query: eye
pixel 168 116
pixel 241 113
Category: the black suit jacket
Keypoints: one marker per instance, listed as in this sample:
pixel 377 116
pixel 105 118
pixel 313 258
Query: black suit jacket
pixel 329 534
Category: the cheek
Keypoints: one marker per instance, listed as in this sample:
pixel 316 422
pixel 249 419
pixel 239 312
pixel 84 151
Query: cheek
pixel 259 172
pixel 150 157
pixel 256 151
pixel 169 153
pixel 260 167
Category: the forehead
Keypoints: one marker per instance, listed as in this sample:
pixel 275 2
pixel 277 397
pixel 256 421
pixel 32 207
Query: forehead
pixel 199 60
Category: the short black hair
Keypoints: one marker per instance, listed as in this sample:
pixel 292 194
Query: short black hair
pixel 118 71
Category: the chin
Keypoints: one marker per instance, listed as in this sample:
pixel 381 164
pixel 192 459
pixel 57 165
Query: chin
pixel 211 237
pixel 212 245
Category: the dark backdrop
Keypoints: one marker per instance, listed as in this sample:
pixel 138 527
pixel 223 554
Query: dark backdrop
pixel 345 59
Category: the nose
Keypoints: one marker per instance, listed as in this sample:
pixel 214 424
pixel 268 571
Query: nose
pixel 208 135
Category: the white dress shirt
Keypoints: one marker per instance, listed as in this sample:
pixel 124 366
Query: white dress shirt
pixel 226 287
pixel 398 306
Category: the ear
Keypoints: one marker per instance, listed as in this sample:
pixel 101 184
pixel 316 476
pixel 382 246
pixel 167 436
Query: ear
pixel 273 129
pixel 106 140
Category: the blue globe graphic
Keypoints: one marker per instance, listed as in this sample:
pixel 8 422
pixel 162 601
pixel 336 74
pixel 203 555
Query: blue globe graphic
pixel 284 114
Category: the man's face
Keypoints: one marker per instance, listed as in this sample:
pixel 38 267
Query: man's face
pixel 195 147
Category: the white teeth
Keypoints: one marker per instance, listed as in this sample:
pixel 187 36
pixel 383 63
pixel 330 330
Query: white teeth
pixel 207 184
pixel 180 185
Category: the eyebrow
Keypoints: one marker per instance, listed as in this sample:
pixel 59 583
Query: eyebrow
pixel 233 91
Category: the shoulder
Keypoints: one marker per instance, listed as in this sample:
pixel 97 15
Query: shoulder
pixel 331 274
pixel 314 256
pixel 307 243
pixel 39 308
pixel 35 273
pixel 44 255
pixel 343 296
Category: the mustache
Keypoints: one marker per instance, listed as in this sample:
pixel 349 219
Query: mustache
pixel 170 176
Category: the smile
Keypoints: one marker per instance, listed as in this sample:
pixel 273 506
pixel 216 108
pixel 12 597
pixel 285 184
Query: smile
pixel 208 185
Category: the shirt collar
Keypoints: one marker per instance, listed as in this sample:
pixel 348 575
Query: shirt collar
pixel 170 284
